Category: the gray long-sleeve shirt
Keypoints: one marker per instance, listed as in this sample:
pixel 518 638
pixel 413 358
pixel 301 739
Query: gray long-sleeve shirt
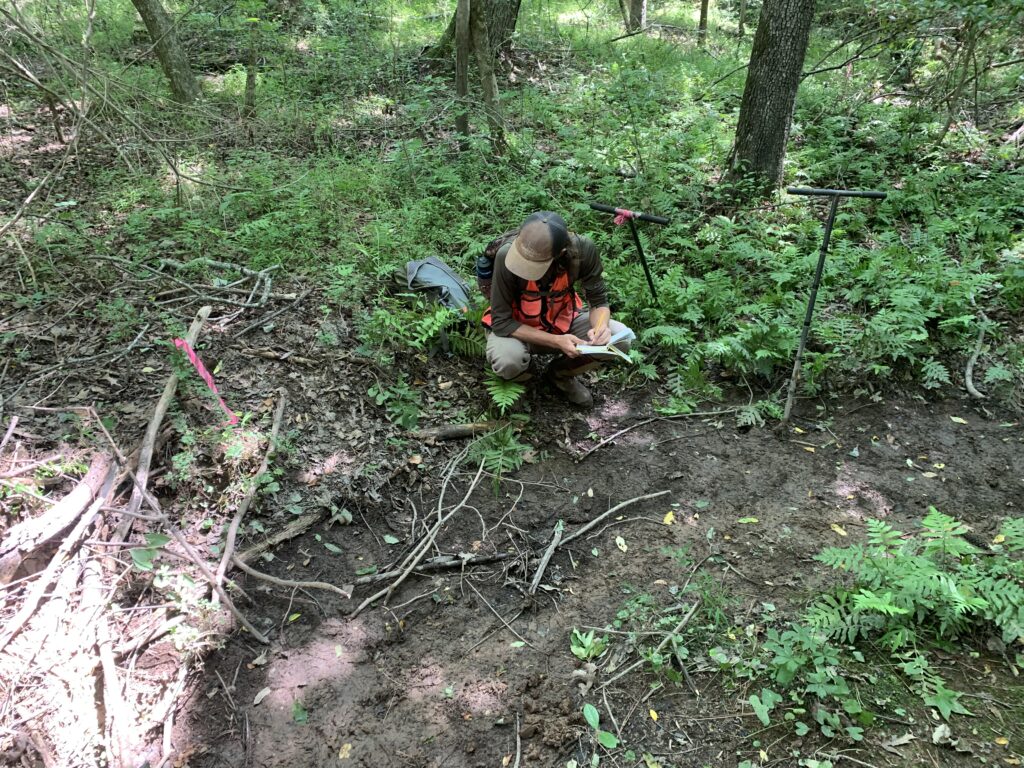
pixel 507 287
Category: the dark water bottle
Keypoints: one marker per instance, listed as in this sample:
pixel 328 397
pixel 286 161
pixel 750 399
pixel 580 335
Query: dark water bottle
pixel 484 275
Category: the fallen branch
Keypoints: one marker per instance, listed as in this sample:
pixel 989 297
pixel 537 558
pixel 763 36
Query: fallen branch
pixel 141 475
pixel 593 523
pixel 621 432
pixel 455 431
pixel 555 539
pixel 67 546
pixel 236 521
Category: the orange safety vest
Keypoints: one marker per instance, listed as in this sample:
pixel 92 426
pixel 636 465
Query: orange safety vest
pixel 552 310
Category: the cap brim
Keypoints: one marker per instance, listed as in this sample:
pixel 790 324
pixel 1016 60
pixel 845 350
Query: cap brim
pixel 522 267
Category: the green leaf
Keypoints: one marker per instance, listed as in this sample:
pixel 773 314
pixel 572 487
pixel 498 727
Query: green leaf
pixel 157 539
pixel 607 740
pixel 801 729
pixel 591 715
pixel 142 557
pixel 367 570
pixel 335 550
pixel 299 713
pixel 389 539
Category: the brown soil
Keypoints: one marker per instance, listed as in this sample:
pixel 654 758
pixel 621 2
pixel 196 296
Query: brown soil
pixel 464 668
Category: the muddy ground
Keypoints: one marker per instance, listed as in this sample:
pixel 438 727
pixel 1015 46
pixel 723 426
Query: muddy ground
pixel 464 667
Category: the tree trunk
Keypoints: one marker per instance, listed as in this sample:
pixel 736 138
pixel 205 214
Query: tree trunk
pixel 169 53
pixel 462 48
pixel 637 15
pixel 479 34
pixel 702 25
pixel 741 31
pixel 502 16
pixel 776 62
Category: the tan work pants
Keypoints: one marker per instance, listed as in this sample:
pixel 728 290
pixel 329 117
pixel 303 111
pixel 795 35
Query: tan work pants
pixel 510 358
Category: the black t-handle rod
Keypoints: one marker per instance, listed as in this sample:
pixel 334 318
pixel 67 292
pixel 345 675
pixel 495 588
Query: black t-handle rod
pixel 874 194
pixel 837 195
pixel 631 214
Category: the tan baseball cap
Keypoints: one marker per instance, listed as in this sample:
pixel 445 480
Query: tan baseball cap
pixel 542 237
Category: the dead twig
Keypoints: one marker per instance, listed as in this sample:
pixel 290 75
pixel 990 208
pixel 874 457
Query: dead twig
pixel 593 523
pixel 556 537
pixel 661 646
pixel 288 583
pixel 272 315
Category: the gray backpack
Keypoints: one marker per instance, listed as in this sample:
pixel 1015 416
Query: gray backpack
pixel 434 277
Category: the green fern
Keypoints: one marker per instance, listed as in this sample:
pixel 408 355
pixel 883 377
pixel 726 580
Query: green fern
pixel 503 392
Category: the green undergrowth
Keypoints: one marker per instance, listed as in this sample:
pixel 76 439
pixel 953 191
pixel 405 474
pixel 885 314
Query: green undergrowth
pixel 899 629
pixel 352 170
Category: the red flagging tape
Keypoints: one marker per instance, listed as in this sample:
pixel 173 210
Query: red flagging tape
pixel 206 376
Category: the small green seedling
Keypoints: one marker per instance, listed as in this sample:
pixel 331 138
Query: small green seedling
pixel 606 739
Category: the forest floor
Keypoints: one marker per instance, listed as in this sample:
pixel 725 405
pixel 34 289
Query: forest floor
pixel 464 667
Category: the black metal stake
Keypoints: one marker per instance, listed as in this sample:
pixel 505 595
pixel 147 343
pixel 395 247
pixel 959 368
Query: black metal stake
pixel 643 260
pixel 836 195
pixel 632 216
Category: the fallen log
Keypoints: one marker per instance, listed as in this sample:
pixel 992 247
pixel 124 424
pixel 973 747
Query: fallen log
pixel 297 527
pixel 28 536
pixel 455 431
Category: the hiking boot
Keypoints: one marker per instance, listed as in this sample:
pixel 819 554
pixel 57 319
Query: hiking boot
pixel 572 389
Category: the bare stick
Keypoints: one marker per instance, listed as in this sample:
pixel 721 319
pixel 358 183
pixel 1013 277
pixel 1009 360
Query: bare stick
pixel 969 371
pixel 146 453
pixel 8 433
pixel 236 521
pixel 421 549
pixel 500 617
pixel 661 645
pixel 555 539
pixel 290 584
pixel 645 422
pixel 593 523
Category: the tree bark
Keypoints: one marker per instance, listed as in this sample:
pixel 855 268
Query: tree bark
pixel 169 52
pixel 479 34
pixel 702 25
pixel 462 48
pixel 502 16
pixel 637 15
pixel 741 31
pixel 776 62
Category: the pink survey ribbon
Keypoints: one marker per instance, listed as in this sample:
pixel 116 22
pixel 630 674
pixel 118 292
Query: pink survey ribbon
pixel 206 376
pixel 622 216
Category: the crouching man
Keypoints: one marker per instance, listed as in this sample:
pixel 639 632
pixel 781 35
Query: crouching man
pixel 535 309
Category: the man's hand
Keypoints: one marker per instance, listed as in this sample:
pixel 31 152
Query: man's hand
pixel 600 336
pixel 566 344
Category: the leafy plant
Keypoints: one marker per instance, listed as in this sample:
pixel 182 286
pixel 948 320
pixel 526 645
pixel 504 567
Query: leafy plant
pixel 400 401
pixel 587 646
pixel 606 739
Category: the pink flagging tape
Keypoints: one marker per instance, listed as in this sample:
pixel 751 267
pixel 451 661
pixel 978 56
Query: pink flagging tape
pixel 622 216
pixel 206 376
